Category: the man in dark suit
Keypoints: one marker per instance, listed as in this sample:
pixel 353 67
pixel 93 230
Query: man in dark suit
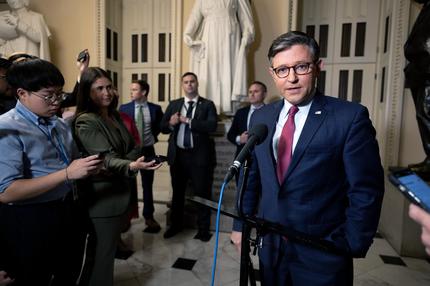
pixel 189 121
pixel 147 117
pixel 318 172
pixel 238 132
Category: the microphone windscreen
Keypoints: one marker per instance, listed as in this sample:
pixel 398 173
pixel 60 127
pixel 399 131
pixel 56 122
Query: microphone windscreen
pixel 260 131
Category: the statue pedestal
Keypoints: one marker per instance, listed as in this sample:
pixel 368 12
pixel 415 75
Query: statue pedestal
pixel 397 227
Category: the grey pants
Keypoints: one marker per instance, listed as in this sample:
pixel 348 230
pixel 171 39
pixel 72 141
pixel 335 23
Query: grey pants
pixel 108 231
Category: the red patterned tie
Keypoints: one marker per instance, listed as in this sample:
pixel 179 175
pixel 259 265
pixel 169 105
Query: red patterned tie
pixel 285 145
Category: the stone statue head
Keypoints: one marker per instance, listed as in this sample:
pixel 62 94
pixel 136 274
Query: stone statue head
pixel 17 4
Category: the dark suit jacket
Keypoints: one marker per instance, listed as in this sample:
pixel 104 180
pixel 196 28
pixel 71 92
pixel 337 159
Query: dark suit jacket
pixel 109 193
pixel 238 126
pixel 155 112
pixel 334 186
pixel 203 123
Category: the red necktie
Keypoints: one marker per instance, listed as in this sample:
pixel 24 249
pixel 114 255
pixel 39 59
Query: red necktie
pixel 285 145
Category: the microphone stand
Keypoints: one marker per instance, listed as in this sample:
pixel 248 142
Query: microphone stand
pixel 246 266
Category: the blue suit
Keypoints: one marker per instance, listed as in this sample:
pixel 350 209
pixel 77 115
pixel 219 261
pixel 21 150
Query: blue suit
pixel 333 189
pixel 147 175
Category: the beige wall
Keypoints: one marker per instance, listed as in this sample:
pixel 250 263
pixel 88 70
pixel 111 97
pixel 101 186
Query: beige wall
pixel 72 24
pixel 270 21
pixel 73 28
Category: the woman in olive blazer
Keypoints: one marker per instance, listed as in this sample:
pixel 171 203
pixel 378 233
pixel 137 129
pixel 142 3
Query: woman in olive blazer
pixel 98 129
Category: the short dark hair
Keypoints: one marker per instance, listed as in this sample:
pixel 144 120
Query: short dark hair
pixel 84 102
pixel 190 73
pixel 292 38
pixel 260 84
pixel 144 86
pixel 33 75
pixel 5 63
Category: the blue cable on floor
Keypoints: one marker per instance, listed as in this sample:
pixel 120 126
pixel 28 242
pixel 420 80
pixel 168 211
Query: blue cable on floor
pixel 217 232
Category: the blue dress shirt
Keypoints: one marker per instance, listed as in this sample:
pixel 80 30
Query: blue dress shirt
pixel 33 148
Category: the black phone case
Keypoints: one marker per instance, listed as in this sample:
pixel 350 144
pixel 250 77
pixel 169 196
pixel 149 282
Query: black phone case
pixel 158 159
pixel 82 56
pixel 409 194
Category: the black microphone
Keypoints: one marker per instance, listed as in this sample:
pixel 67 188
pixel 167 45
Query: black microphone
pixel 256 135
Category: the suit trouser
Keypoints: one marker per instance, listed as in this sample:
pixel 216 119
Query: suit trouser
pixel 182 171
pixel 299 265
pixel 43 243
pixel 147 182
pixel 107 231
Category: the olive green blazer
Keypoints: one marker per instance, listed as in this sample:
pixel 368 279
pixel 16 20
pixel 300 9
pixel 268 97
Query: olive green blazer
pixel 108 193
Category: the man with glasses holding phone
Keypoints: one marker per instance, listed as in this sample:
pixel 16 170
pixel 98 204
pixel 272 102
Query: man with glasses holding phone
pixel 42 228
pixel 317 172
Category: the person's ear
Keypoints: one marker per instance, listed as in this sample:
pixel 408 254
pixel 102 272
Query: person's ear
pixel 20 92
pixel 272 73
pixel 320 64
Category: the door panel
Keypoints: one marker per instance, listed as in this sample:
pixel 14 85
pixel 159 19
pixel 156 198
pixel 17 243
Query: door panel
pixel 148 46
pixel 350 59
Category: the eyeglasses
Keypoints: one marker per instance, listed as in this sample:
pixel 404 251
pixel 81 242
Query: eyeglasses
pixel 299 69
pixel 52 97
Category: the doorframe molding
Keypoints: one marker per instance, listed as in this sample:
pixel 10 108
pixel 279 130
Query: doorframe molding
pixel 100 35
pixel 395 83
pixel 177 13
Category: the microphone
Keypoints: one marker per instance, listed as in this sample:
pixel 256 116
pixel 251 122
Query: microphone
pixel 257 134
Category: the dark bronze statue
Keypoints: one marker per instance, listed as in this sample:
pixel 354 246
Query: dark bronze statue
pixel 417 72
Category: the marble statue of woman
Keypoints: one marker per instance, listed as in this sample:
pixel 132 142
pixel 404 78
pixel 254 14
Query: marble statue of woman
pixel 31 32
pixel 218 32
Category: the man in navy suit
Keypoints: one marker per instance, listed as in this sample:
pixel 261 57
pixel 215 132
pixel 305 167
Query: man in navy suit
pixel 238 132
pixel 191 152
pixel 318 172
pixel 147 117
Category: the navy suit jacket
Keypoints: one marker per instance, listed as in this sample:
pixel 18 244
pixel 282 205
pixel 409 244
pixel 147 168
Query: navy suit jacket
pixel 238 126
pixel 334 186
pixel 154 110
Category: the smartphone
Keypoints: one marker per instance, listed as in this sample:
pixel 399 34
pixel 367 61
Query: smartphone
pixel 102 155
pixel 158 159
pixel 413 187
pixel 82 57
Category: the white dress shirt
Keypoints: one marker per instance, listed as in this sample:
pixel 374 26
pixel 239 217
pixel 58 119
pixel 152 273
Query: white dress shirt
pixel 185 106
pixel 299 121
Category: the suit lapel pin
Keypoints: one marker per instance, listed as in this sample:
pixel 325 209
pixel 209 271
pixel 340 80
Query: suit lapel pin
pixel 318 112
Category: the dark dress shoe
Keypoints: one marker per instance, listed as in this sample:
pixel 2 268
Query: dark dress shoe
pixel 171 232
pixel 152 229
pixel 123 254
pixel 203 235
pixel 152 226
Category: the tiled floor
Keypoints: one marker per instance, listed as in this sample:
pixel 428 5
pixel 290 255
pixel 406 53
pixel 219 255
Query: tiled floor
pixel 157 261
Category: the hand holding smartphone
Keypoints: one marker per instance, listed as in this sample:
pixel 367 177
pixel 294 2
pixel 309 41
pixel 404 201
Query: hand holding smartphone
pixel 412 187
pixel 158 159
pixel 83 55
pixel 102 155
